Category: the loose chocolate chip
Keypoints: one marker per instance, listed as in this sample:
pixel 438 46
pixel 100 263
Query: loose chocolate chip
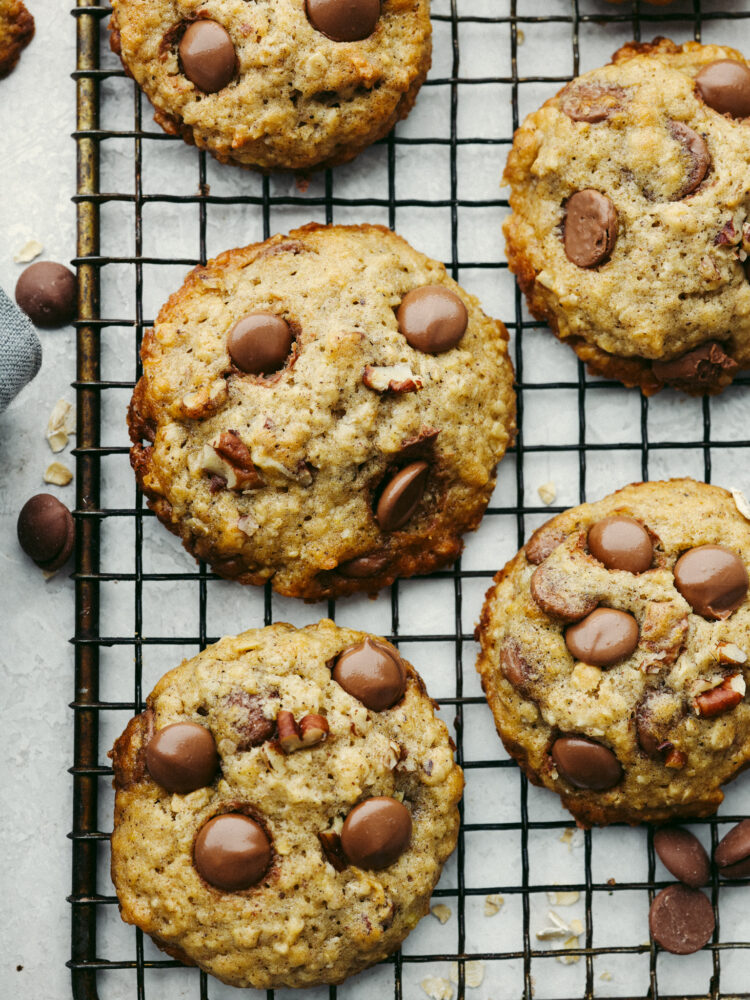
pixel 712 579
pixel 621 543
pixel 401 497
pixel 373 673
pixel 259 343
pixel 344 20
pixel 586 764
pixel 364 567
pixel 432 318
pixel 47 293
pixel 232 852
pixel 591 102
pixel 182 757
pixel 683 855
pixel 603 637
pixel 46 531
pixel 698 156
pixel 681 919
pixel 590 228
pixel 376 832
pixel 701 368
pixel 725 86
pixel 732 854
pixel 207 55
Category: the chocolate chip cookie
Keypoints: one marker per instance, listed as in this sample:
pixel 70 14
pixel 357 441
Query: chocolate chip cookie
pixel 615 653
pixel 16 31
pixel 274 84
pixel 324 410
pixel 630 226
pixel 284 806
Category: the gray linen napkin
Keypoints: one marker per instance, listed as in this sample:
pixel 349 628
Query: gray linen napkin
pixel 20 350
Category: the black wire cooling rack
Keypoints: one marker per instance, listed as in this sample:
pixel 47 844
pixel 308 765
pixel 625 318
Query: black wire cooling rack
pixel 109 964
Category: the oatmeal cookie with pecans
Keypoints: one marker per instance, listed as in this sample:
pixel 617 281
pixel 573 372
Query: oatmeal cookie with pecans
pixel 630 224
pixel 324 410
pixel 16 31
pixel 284 806
pixel 291 84
pixel 614 653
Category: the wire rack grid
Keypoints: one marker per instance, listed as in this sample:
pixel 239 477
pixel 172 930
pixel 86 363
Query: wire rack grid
pixel 141 606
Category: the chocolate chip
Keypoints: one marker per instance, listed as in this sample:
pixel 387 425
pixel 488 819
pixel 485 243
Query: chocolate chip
pixel 591 102
pixel 232 852
pixel 245 712
pixel 621 543
pixel 371 672
pixel 344 20
pixel 701 369
pixel 376 832
pixel 725 86
pixel 732 854
pixel 47 293
pixel 697 153
pixel 514 665
pixel 712 579
pixel 603 637
pixel 681 919
pixel 401 497
pixel 586 764
pixel 364 567
pixel 46 531
pixel 432 318
pixel 207 55
pixel 655 716
pixel 182 757
pixel 556 595
pixel 590 228
pixel 683 855
pixel 259 343
pixel 543 542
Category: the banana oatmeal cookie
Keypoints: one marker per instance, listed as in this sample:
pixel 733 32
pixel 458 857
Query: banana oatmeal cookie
pixel 276 83
pixel 284 806
pixel 16 31
pixel 615 653
pixel 630 223
pixel 324 410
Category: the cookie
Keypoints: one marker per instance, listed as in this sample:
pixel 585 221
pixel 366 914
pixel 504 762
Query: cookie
pixel 16 31
pixel 275 84
pixel 630 221
pixel 324 410
pixel 614 653
pixel 284 806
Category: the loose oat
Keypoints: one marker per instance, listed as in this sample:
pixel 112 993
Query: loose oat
pixel 437 988
pixel 547 492
pixel 492 904
pixel 442 912
pixel 31 249
pixel 58 474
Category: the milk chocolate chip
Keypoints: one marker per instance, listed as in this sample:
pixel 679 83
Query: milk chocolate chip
pixel 182 757
pixel 725 86
pixel 46 531
pixel 621 543
pixel 603 637
pixel 732 854
pixel 681 919
pixel 364 567
pixel 432 318
pixel 702 368
pixel 260 342
pixel 712 579
pixel 591 102
pixel 207 55
pixel 401 497
pixel 232 852
pixel 373 673
pixel 47 293
pixel 344 20
pixel 514 665
pixel 697 154
pixel 376 832
pixel 586 764
pixel 590 228
pixel 683 855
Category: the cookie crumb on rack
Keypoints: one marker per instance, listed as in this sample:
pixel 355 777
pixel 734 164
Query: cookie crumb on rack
pixel 442 912
pixel 547 492
pixel 492 904
pixel 437 988
pixel 473 973
pixel 562 898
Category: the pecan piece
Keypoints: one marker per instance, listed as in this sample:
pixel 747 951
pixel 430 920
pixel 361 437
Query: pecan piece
pixel 722 698
pixel 391 378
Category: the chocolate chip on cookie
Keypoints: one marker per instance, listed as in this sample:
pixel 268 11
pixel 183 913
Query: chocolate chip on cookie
pixel 432 318
pixel 401 496
pixel 712 579
pixel 697 152
pixel 371 672
pixel 585 763
pixel 702 368
pixel 232 852
pixel 683 855
pixel 725 86
pixel 590 228
pixel 591 102
pixel 376 832
pixel 732 854
pixel 364 566
pixel 207 55
pixel 621 543
pixel 260 342
pixel 603 638
pixel 344 20
pixel 182 757
pixel 681 919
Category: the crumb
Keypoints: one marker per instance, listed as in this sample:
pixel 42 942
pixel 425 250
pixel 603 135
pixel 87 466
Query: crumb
pixel 57 474
pixel 19 968
pixel 492 904
pixel 611 881
pixel 740 502
pixel 437 988
pixel 547 493
pixel 606 976
pixel 442 912
pixel 563 898
pixel 303 183
pixel 572 836
pixel 520 36
pixel 473 973
pixel 31 249
pixel 572 942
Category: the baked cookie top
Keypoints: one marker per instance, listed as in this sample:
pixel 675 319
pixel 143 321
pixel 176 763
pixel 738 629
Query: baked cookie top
pixel 304 803
pixel 630 226
pixel 614 652
pixel 317 399
pixel 16 31
pixel 276 83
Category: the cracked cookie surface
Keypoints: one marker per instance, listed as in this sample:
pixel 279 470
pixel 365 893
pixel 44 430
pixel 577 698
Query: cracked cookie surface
pixel 620 685
pixel 630 221
pixel 312 915
pixel 362 458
